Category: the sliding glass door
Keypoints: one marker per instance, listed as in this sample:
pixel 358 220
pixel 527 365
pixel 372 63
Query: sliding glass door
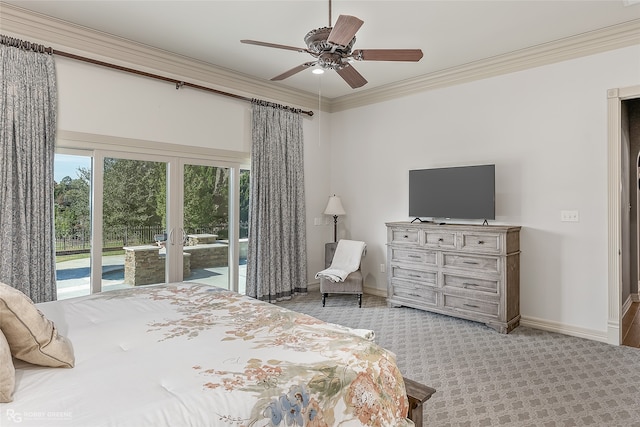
pixel 72 217
pixel 129 220
pixel 134 222
pixel 243 229
pixel 111 221
pixel 205 219
pixel 215 221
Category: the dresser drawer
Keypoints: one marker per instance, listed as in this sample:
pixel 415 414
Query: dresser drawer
pixel 440 239
pixel 420 257
pixel 414 292
pixel 427 277
pixel 480 285
pixel 404 236
pixel 481 242
pixel 460 303
pixel 468 262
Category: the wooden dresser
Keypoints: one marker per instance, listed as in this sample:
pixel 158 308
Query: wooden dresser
pixel 466 271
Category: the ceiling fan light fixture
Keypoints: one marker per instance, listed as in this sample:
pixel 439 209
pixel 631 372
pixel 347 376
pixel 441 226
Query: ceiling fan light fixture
pixel 317 70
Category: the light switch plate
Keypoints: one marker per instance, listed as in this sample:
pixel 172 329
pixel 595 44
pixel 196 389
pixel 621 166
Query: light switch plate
pixel 569 216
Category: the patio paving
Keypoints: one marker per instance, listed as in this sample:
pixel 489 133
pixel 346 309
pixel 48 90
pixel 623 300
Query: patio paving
pixel 72 277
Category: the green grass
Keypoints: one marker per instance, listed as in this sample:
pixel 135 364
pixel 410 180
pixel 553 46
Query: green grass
pixel 62 258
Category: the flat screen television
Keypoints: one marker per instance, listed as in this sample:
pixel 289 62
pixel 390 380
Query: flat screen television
pixel 465 192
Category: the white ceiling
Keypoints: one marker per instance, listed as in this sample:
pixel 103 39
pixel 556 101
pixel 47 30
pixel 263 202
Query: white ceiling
pixel 450 33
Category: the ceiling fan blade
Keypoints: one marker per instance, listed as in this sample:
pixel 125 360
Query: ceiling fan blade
pixel 344 30
pixel 413 55
pixel 277 46
pixel 352 77
pixel 293 71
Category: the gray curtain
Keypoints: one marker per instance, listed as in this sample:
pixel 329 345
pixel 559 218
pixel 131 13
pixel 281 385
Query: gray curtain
pixel 28 108
pixel 277 258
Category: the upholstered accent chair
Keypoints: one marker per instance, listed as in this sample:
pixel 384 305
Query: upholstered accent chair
pixel 351 285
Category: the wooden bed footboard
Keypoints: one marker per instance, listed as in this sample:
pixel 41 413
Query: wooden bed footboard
pixel 417 394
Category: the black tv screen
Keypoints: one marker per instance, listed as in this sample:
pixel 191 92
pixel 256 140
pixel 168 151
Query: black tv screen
pixel 465 192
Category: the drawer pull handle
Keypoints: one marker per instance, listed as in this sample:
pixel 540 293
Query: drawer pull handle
pixel 440 239
pixel 414 256
pixel 470 284
pixel 406 236
pixel 470 262
pixel 481 242
pixel 470 305
pixel 414 295
pixel 415 275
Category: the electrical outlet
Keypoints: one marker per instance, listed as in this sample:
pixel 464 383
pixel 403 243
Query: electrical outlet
pixel 383 268
pixel 569 216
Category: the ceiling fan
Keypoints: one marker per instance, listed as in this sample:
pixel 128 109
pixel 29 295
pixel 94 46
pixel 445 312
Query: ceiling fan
pixel 332 49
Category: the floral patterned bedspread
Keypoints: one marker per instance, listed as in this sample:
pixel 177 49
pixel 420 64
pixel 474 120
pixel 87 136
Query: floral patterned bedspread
pixel 187 354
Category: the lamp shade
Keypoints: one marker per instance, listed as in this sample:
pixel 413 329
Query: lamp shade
pixel 334 207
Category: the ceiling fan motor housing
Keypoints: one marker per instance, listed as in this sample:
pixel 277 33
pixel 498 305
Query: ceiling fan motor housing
pixel 330 56
pixel 331 61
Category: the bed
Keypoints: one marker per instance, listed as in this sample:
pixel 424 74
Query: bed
pixel 186 354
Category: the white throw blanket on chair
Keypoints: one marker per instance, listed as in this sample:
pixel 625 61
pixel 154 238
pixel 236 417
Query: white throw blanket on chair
pixel 346 260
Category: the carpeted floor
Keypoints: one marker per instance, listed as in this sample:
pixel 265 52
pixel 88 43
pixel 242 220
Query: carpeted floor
pixel 526 378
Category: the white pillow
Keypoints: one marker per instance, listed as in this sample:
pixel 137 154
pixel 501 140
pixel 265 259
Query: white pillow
pixel 31 336
pixel 7 371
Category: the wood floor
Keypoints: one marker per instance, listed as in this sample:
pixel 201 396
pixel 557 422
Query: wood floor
pixel 631 326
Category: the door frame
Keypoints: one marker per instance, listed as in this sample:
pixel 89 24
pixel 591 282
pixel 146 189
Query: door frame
pixel 614 214
pixel 97 193
pixel 175 155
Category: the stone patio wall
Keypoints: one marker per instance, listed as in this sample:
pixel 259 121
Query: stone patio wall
pixel 144 265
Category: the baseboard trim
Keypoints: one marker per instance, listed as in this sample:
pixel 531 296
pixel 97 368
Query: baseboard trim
pixel 532 322
pixel 562 328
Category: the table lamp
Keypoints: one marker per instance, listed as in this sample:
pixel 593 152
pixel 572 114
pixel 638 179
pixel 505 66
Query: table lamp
pixel 334 207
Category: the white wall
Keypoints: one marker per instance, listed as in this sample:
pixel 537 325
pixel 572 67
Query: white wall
pixel 102 101
pixel 546 131
pixel 544 128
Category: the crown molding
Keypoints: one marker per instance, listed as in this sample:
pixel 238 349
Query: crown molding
pixel 610 38
pixel 64 36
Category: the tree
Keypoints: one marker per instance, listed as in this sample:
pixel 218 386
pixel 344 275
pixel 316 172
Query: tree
pixel 134 196
pixel 245 191
pixel 71 205
pixel 130 192
pixel 206 198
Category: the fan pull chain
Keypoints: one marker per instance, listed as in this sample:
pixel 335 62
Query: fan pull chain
pixel 319 111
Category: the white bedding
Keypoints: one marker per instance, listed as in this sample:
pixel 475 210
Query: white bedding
pixel 194 355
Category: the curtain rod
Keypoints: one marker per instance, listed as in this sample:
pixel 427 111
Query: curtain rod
pixel 21 44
